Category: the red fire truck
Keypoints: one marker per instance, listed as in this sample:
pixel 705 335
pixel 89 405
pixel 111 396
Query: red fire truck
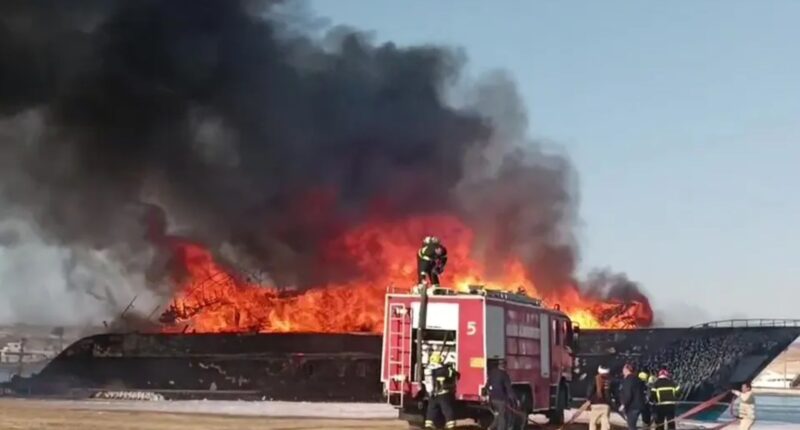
pixel 472 330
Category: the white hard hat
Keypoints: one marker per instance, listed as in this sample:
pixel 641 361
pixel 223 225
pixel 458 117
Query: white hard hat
pixel 602 370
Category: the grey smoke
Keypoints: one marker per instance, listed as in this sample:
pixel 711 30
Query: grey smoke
pixel 49 284
pixel 223 117
pixel 604 283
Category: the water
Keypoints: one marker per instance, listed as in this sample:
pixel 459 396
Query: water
pixel 773 412
pixel 784 409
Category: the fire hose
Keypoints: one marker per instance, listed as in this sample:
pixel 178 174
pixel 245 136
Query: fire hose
pixel 514 411
pixel 735 419
pixel 693 411
pixel 128 395
pixel 699 408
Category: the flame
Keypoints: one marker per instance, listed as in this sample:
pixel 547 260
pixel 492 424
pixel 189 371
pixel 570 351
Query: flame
pixel 211 298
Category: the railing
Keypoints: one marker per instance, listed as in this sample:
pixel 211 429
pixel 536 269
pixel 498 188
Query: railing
pixel 394 289
pixel 762 322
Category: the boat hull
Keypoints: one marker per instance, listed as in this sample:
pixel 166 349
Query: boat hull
pixel 704 361
pixel 242 366
pixel 346 367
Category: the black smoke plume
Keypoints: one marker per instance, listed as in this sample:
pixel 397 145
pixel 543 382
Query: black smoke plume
pixel 256 138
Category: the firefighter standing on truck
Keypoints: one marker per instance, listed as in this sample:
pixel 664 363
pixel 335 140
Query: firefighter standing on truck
pixel 664 396
pixel 431 259
pixel 443 393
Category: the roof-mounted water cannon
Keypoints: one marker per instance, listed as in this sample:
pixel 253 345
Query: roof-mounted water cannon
pixel 476 289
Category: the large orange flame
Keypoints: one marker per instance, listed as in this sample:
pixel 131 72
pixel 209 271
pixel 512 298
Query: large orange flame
pixel 211 299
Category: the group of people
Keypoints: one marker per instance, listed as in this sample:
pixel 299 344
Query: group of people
pixel 498 393
pixel 654 399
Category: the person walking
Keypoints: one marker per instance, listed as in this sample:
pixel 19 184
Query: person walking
pixel 601 397
pixel 747 406
pixel 631 396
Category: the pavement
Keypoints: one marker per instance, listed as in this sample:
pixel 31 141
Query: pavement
pixel 197 415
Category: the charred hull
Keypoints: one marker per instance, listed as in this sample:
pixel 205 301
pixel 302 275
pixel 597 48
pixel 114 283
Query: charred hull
pixel 342 367
pixel 311 367
pixel 704 360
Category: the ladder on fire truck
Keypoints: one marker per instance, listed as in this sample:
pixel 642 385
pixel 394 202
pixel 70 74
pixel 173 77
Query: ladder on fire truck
pixel 399 354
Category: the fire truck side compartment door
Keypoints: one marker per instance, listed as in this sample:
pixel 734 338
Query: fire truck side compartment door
pixel 544 346
pixel 440 316
pixel 495 332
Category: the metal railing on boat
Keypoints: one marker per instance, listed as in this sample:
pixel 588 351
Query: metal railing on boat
pixel 760 322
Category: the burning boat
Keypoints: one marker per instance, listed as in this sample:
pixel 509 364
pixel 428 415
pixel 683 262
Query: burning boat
pixel 224 335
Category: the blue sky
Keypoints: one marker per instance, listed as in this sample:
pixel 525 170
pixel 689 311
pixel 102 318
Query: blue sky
pixel 682 119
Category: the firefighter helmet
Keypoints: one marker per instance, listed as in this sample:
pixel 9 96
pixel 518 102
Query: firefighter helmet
pixel 643 376
pixel 430 240
pixel 435 358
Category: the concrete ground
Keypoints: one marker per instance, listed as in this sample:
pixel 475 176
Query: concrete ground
pixel 17 414
pixel 43 415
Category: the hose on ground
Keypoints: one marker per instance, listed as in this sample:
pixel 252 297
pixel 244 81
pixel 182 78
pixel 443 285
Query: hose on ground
pixel 128 395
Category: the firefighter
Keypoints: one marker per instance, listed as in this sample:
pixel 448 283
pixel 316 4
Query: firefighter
pixel 501 394
pixel 443 393
pixel 646 410
pixel 431 259
pixel 664 395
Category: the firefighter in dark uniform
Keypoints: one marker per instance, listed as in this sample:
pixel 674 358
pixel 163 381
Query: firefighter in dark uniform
pixel 501 395
pixel 664 396
pixel 431 259
pixel 443 393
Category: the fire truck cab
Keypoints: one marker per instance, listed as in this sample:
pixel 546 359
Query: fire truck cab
pixel 472 331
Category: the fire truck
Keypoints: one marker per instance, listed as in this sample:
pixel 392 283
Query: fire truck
pixel 472 330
